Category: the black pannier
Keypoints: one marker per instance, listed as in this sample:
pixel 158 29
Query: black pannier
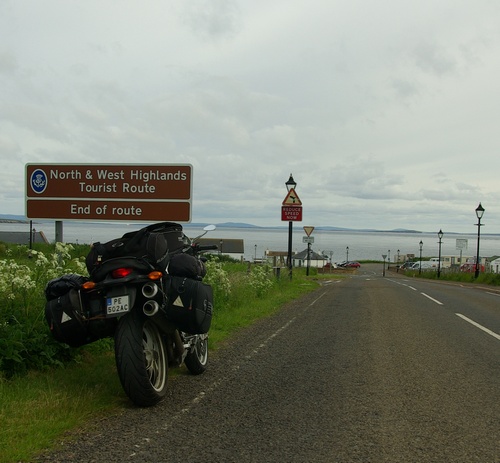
pixel 67 317
pixel 63 310
pixel 185 265
pixel 190 304
pixel 154 243
pixel 60 286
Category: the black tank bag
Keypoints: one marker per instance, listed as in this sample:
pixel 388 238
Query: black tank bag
pixel 154 243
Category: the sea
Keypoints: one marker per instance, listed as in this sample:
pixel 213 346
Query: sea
pixel 362 245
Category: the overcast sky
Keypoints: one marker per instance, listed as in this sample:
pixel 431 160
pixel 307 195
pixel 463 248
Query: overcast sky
pixel 386 112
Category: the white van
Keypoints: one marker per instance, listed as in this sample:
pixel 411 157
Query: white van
pixel 426 265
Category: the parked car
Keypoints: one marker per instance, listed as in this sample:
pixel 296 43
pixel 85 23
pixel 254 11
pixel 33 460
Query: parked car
pixel 353 264
pixel 406 265
pixel 470 267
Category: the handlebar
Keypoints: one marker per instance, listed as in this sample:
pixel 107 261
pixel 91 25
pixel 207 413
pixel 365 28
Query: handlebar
pixel 195 248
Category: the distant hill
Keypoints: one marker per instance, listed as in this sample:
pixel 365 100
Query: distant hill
pixel 11 218
pixel 8 218
pixel 237 225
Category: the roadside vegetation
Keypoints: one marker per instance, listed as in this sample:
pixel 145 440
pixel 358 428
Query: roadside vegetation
pixel 48 388
pixel 449 274
pixel 463 277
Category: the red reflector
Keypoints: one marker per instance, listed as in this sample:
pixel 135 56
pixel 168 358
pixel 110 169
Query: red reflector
pixel 121 272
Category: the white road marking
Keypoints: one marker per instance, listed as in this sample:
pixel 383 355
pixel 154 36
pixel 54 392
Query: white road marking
pixel 317 299
pixel 404 284
pixel 432 299
pixel 477 325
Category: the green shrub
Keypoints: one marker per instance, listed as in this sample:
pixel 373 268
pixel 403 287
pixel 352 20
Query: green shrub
pixel 260 280
pixel 25 340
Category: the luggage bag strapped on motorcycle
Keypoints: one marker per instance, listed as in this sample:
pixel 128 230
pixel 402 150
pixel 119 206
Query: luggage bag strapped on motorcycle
pixel 154 244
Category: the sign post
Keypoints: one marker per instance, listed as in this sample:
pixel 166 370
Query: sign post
pixel 111 192
pixel 461 245
pixel 115 192
pixel 309 239
pixel 291 210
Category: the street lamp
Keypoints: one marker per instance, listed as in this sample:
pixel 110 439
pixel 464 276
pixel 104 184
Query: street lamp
pixel 440 236
pixel 479 215
pixel 420 266
pixel 290 184
pixel 383 257
pixel 397 268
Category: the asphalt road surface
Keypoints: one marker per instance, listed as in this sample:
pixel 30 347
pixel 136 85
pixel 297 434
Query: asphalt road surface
pixel 368 369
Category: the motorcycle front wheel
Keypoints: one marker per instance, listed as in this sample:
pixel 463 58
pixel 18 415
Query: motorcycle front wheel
pixel 141 359
pixel 197 358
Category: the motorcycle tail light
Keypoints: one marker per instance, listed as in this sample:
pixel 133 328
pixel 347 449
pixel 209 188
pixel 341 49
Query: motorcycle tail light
pixel 121 272
pixel 155 275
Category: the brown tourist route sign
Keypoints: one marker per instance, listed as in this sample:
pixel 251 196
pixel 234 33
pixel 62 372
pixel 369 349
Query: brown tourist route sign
pixel 128 192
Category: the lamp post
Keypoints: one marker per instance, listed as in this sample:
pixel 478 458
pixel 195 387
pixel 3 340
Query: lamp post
pixel 290 183
pixel 347 254
pixel 383 257
pixel 420 266
pixel 397 268
pixel 440 236
pixel 479 215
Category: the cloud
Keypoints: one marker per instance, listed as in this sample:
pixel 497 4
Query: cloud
pixel 214 19
pixel 8 63
pixel 384 112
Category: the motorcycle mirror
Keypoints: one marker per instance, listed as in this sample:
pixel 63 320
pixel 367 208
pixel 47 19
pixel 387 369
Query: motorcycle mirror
pixel 206 230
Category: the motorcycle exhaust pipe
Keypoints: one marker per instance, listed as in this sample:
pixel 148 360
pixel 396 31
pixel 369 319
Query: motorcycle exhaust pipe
pixel 150 290
pixel 150 308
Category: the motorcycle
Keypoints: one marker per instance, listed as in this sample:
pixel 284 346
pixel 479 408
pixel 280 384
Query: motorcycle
pixel 145 290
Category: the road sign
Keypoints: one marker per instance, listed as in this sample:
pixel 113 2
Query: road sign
pixel 292 199
pixel 118 192
pixel 308 230
pixel 291 213
pixel 308 239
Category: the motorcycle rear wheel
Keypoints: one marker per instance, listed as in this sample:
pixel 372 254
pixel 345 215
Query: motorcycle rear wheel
pixel 197 359
pixel 141 359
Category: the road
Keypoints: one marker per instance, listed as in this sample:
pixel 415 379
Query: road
pixel 366 369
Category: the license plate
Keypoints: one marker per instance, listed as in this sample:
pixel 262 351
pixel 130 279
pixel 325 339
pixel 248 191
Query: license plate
pixel 116 305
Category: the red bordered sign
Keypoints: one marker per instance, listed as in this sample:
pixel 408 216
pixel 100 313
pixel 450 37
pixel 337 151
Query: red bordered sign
pixel 291 213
